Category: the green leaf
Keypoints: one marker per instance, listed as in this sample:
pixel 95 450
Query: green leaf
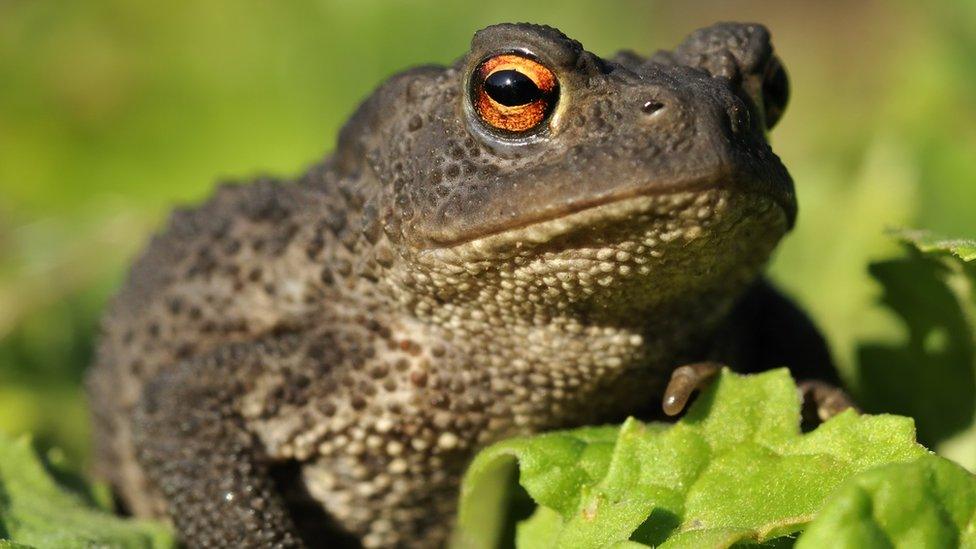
pixel 735 469
pixel 930 502
pixel 963 248
pixel 6 544
pixel 35 511
pixel 929 371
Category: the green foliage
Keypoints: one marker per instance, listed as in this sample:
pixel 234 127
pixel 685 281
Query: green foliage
pixel 926 241
pixel 929 371
pixel 37 511
pixel 735 468
pixel 929 503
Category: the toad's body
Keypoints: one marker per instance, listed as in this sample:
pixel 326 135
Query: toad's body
pixel 339 345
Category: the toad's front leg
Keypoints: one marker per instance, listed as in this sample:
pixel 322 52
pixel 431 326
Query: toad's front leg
pixel 193 445
pixel 685 380
pixel 821 400
pixel 767 330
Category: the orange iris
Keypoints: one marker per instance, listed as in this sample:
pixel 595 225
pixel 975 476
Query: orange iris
pixel 514 93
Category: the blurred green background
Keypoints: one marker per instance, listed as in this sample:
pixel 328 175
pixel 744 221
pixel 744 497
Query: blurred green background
pixel 112 111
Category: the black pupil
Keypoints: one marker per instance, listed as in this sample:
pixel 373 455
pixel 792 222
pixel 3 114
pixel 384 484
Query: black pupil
pixel 511 88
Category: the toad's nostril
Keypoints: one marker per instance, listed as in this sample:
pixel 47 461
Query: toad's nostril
pixel 651 107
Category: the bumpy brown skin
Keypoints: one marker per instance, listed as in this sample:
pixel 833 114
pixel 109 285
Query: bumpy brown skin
pixel 294 358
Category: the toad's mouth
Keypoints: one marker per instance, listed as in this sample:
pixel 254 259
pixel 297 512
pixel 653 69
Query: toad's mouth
pixel 656 198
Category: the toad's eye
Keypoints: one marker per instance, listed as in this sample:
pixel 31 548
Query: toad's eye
pixel 776 92
pixel 513 93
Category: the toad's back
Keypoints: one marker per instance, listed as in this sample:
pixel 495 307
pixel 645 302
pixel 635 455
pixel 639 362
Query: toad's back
pixel 240 267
